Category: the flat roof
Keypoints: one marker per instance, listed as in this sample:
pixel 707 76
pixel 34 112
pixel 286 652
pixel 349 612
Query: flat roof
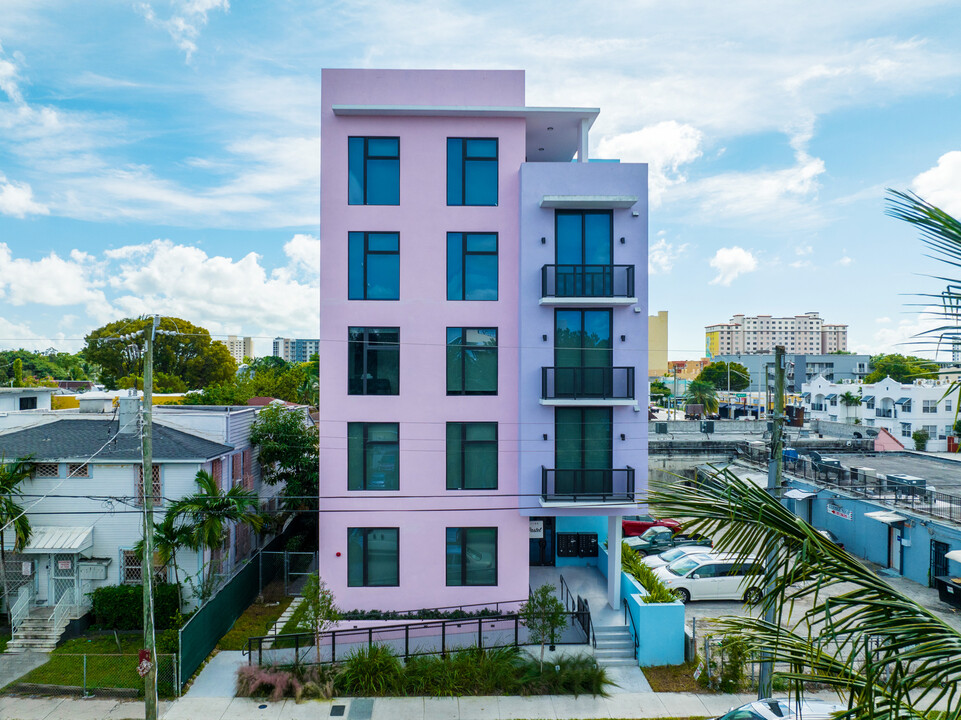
pixel 939 472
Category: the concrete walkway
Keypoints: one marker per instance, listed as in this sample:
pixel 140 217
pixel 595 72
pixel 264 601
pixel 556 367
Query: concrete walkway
pixel 13 666
pixel 218 679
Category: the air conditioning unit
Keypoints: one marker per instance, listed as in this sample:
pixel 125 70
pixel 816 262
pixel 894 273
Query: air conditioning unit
pixel 660 428
pixel 707 426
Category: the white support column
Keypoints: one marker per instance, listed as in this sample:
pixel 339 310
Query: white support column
pixel 614 561
pixel 582 142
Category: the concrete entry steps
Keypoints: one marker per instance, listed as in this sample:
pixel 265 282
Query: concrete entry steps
pixel 36 633
pixel 615 646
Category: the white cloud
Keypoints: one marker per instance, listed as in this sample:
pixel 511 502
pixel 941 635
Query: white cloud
pixel 941 185
pixel 662 255
pixel 184 24
pixel 305 251
pixel 731 262
pixel 845 260
pixel 802 250
pixel 904 336
pixel 17 199
pixel 882 320
pixel 799 264
pixel 665 147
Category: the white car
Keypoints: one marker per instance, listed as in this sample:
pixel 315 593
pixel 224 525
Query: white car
pixel 777 709
pixel 669 556
pixel 714 576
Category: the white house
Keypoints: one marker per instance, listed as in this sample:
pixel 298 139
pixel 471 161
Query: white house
pixel 900 408
pixel 84 499
pixel 14 399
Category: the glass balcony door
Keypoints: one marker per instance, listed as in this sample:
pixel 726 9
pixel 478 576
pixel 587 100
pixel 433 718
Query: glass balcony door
pixel 583 355
pixel 584 250
pixel 583 455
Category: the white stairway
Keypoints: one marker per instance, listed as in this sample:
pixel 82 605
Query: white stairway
pixel 615 646
pixel 37 632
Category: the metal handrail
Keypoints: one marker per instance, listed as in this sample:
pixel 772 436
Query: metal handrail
pixel 566 596
pixel 601 382
pixel 590 621
pixel 588 484
pixel 587 281
pixel 21 608
pixel 64 604
pixel 634 634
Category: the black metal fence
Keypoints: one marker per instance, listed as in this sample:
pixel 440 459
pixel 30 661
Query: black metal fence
pixel 588 484
pixel 596 383
pixel 587 281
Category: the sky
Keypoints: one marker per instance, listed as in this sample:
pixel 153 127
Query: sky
pixel 163 156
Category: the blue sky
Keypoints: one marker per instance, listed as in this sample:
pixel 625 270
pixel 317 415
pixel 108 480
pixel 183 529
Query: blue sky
pixel 163 156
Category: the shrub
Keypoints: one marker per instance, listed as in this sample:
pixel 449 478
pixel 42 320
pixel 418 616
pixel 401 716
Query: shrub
pixel 374 670
pixel 734 650
pixel 273 683
pixel 920 438
pixel 633 565
pixel 120 607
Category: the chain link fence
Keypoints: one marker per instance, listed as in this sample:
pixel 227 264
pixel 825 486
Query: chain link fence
pixel 96 675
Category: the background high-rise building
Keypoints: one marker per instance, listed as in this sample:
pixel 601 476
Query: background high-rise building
pixel 804 334
pixel 657 344
pixel 240 347
pixel 296 350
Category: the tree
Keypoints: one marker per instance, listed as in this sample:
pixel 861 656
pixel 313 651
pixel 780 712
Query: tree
pixel 18 372
pixel 861 637
pixel 288 450
pixel 263 377
pixel 543 615
pixel 209 511
pixel 660 390
pixel 703 393
pixel 920 438
pixel 11 475
pixel 900 368
pixel 170 535
pixel 320 611
pixel 851 400
pixel 187 353
pixel 717 374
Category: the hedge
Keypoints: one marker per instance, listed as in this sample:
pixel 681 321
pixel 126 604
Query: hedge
pixel 120 607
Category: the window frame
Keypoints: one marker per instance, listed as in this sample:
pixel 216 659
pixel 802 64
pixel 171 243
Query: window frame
pixel 464 159
pixel 367 346
pixel 464 536
pixel 365 253
pixel 157 485
pixel 365 159
pixel 364 445
pixel 929 407
pixel 37 474
pixel 464 442
pixel 464 253
pixel 365 558
pixel 493 349
pixel 159 571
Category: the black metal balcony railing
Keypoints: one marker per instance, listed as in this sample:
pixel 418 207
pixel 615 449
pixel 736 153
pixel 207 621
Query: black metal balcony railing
pixel 884 413
pixel 587 281
pixel 588 485
pixel 587 383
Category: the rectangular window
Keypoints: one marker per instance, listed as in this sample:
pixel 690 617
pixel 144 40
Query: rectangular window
pixel 28 403
pixel 583 450
pixel 373 266
pixel 236 466
pixel 906 430
pixel 472 556
pixel 157 486
pixel 471 456
pixel 472 171
pixel 373 456
pixel 78 470
pixel 931 430
pixel 374 171
pixel 46 470
pixel 929 406
pixel 947 405
pixel 373 361
pixel 471 361
pixel 131 568
pixel 471 266
pixel 373 557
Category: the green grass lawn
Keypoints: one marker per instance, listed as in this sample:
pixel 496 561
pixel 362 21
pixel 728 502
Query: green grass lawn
pixel 293 624
pixel 4 639
pixel 255 621
pixel 106 666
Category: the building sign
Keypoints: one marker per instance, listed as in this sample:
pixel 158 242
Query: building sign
pixel 537 529
pixel 840 512
pixel 64 564
pixel 26 568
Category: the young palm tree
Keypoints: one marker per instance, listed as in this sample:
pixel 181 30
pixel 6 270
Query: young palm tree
pixel 208 512
pixel 170 535
pixel 851 400
pixel 890 656
pixel 11 475
pixel 701 392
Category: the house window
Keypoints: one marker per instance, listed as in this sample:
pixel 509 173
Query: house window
pixel 947 405
pixel 931 430
pixel 373 557
pixel 906 430
pixel 131 568
pixel 373 456
pixel 46 470
pixel 373 361
pixel 78 470
pixel 472 556
pixel 374 171
pixel 472 171
pixel 929 406
pixel 236 466
pixel 28 403
pixel 471 456
pixel 216 471
pixel 471 361
pixel 471 266
pixel 157 486
pixel 373 266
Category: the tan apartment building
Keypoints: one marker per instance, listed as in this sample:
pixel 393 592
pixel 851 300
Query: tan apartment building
pixel 804 334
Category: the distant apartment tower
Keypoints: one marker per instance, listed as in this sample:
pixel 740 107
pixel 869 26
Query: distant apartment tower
pixel 805 334
pixel 295 350
pixel 657 344
pixel 240 347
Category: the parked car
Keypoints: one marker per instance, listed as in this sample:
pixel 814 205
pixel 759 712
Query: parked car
pixel 777 709
pixel 659 538
pixel 832 537
pixel 714 576
pixel 669 556
pixel 633 525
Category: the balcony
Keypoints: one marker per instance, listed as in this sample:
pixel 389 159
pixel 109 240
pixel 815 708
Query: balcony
pixel 605 386
pixel 608 485
pixel 587 285
pixel 884 413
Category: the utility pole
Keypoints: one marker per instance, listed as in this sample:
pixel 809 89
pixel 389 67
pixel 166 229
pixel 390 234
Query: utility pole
pixel 146 567
pixel 774 473
pixel 675 393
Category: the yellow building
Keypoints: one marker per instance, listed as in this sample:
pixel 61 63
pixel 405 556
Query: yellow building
pixel 657 344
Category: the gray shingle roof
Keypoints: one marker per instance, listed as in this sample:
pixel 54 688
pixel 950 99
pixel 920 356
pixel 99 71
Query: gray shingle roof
pixel 79 439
